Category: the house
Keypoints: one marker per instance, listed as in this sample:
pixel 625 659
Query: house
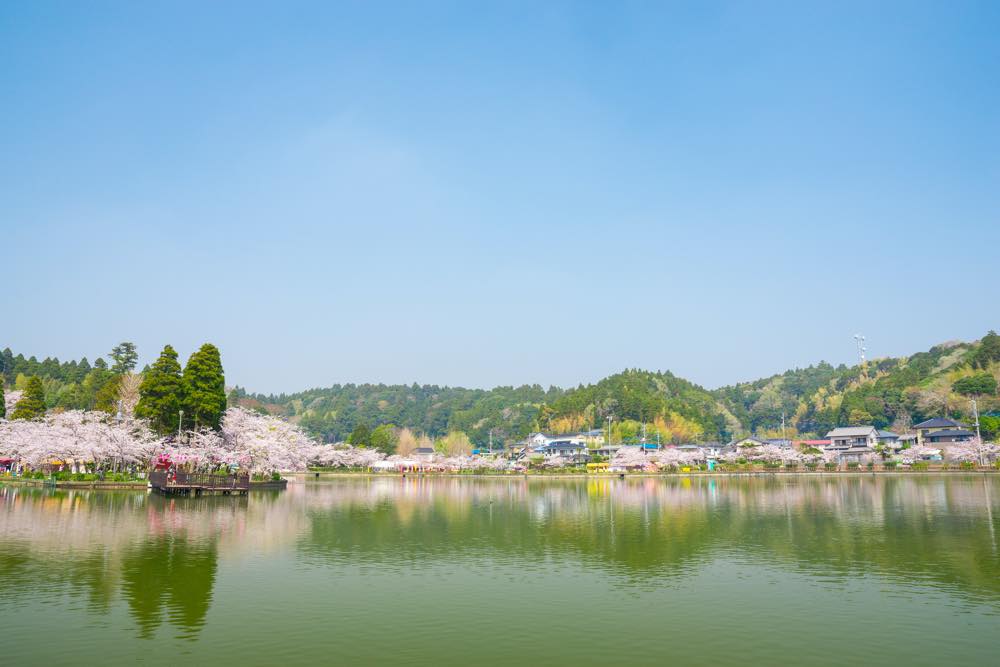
pixel 907 440
pixel 606 451
pixel 564 448
pixel 779 442
pixel 713 449
pixel 941 429
pixel 423 453
pixel 540 439
pixel 814 444
pixel 949 435
pixel 593 438
pixel 746 442
pixel 889 440
pixel 852 437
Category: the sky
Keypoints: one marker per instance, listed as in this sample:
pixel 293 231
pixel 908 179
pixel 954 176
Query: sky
pixel 498 193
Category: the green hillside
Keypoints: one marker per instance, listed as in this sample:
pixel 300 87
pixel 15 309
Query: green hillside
pixel 889 393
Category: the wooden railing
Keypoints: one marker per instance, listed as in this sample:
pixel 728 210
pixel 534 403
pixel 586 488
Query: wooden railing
pixel 199 480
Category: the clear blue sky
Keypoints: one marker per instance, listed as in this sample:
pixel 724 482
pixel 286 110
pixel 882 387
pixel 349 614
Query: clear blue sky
pixel 498 193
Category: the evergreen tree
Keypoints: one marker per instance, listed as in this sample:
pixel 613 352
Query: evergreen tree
pixel 384 438
pixel 106 398
pixel 361 436
pixel 205 388
pixel 3 403
pixel 32 403
pixel 125 358
pixel 989 350
pixel 161 394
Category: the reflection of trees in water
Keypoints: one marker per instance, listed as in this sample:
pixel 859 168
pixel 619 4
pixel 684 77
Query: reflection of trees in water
pixel 160 555
pixel 169 572
pixel 913 529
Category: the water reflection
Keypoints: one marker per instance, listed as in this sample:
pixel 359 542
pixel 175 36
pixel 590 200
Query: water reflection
pixel 163 558
pixel 918 528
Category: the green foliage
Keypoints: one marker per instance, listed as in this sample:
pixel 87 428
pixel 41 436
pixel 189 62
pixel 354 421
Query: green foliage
pixel 980 384
pixel 125 358
pixel 161 395
pixel 988 350
pixel 639 396
pixel 384 438
pixel 989 425
pixel 32 403
pixel 361 436
pixel 3 404
pixel 332 413
pixel 106 398
pixel 204 389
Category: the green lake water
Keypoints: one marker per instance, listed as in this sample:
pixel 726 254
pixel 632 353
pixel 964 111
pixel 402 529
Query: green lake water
pixel 823 570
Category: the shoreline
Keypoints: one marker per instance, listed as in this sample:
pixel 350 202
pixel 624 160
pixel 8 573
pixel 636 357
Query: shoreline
pixel 310 476
pixel 119 486
pixel 313 477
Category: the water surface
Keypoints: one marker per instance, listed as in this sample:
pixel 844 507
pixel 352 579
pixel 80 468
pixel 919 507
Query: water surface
pixel 714 571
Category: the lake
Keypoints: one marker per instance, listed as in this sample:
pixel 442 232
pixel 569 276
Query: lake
pixel 808 570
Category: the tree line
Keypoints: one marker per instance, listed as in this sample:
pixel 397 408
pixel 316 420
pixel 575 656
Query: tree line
pixel 169 397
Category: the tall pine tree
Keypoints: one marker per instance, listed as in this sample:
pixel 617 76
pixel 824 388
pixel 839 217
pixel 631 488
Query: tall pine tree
pixel 3 400
pixel 161 394
pixel 205 388
pixel 32 403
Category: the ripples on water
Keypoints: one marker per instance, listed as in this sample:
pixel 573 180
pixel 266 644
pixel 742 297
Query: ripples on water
pixel 440 569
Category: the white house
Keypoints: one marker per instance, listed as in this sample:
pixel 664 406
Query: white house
pixel 564 448
pixel 852 437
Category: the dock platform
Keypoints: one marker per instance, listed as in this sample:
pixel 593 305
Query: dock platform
pixel 198 484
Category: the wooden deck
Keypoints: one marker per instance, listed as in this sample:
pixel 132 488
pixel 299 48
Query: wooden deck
pixel 198 484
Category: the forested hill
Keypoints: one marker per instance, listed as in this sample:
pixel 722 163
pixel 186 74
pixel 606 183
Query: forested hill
pixel 667 407
pixel 333 412
pixel 894 392
pixel 890 393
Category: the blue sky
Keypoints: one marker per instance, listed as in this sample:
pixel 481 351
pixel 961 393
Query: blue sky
pixel 498 193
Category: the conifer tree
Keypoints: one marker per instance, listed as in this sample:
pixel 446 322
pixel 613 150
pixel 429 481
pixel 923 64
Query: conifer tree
pixel 161 394
pixel 32 403
pixel 205 388
pixel 125 357
pixel 3 404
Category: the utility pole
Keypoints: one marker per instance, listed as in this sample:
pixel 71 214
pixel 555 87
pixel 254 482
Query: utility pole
pixel 979 438
pixel 783 438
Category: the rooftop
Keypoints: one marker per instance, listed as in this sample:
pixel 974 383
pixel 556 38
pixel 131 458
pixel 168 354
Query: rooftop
pixel 939 422
pixel 851 431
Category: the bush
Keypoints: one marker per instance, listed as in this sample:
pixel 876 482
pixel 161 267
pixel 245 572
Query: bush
pixel 890 465
pixel 870 465
pixel 920 466
pixel 967 465
pixel 275 477
pixel 830 466
pixel 791 466
pixel 812 465
pixel 853 465
pixel 771 465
